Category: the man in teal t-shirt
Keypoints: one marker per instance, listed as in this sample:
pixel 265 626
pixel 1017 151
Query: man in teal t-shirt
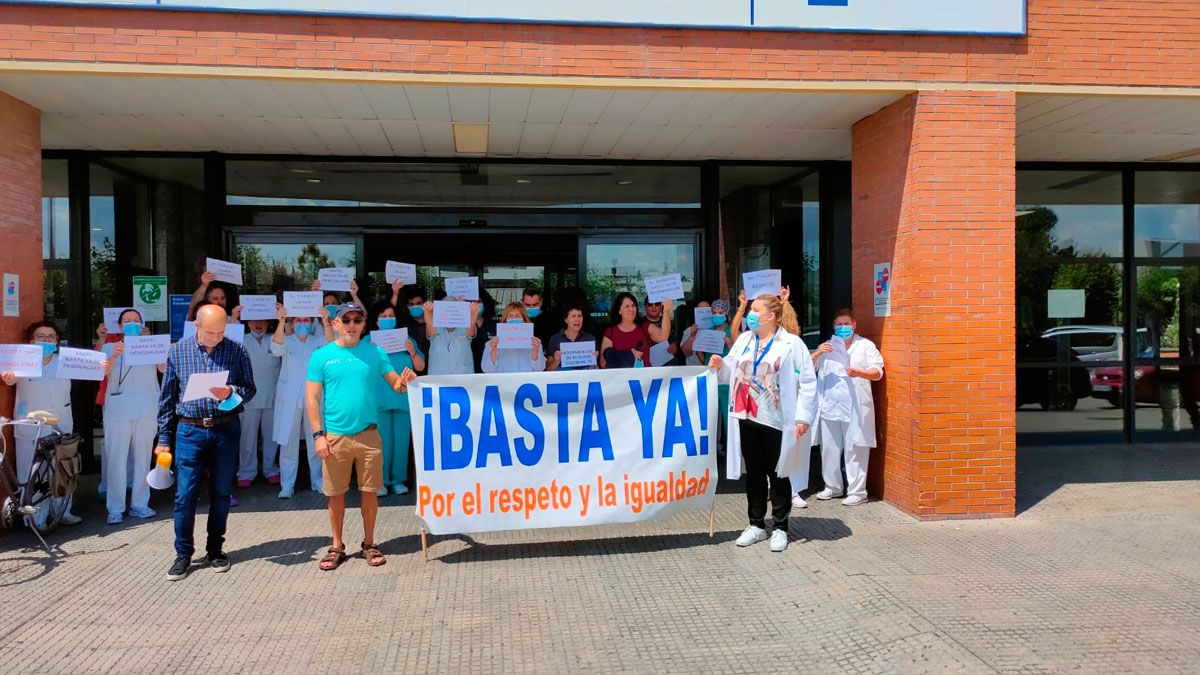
pixel 340 402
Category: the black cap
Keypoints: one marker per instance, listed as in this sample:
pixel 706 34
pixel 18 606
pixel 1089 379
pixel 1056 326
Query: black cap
pixel 348 307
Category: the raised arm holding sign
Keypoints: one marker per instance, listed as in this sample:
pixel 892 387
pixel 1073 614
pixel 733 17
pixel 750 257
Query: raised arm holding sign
pixel 223 270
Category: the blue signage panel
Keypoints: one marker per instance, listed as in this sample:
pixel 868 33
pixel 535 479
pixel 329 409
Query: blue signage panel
pixel 178 306
pixel 984 17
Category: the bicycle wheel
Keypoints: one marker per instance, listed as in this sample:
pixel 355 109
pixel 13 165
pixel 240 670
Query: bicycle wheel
pixel 48 509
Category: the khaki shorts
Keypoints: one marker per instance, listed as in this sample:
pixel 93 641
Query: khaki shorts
pixel 364 451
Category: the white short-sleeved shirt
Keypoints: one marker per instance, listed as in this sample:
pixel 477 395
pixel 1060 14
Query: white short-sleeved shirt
pixel 450 353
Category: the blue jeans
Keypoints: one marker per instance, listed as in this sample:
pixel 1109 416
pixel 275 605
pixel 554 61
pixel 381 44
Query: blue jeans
pixel 198 450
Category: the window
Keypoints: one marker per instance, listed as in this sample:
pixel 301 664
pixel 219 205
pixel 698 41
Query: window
pixel 1167 214
pixel 271 267
pixel 56 211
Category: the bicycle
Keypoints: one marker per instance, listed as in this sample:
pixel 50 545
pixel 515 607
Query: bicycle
pixel 41 500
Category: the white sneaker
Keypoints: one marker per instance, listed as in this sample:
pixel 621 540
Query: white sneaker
pixel 115 519
pixel 827 494
pixel 751 535
pixel 70 519
pixel 855 500
pixel 798 501
pixel 142 512
pixel 779 541
pixel 285 494
pixel 381 492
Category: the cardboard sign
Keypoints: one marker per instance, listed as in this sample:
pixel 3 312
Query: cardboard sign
pixel 391 341
pixel 515 336
pixel 660 354
pixel 223 270
pixel 258 307
pixel 703 317
pixel 464 288
pixel 578 354
pixel 233 331
pixel 303 303
pixel 402 272
pixel 112 318
pixel 335 278
pixel 668 287
pixel 764 282
pixel 146 350
pixel 80 364
pixel 709 342
pixel 451 314
pixel 21 360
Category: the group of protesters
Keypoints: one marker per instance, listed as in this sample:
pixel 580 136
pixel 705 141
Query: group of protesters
pixel 320 381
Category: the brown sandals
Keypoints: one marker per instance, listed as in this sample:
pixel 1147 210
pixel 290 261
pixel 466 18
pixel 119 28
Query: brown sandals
pixel 372 555
pixel 333 558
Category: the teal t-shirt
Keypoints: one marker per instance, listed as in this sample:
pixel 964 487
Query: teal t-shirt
pixel 386 397
pixel 348 375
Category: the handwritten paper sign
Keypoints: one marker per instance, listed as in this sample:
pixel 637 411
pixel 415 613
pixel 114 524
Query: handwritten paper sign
pixel 578 354
pixel 335 278
pixel 402 272
pixel 451 314
pixel 147 350
pixel 765 282
pixel 465 288
pixel 258 307
pixel 703 316
pixel 391 341
pixel 660 354
pixel 223 270
pixel 112 318
pixel 709 342
pixel 233 331
pixel 80 364
pixel 515 335
pixel 21 360
pixel 200 384
pixel 668 287
pixel 302 303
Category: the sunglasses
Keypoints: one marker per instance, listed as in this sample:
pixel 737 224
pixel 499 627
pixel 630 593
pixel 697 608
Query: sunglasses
pixel 354 321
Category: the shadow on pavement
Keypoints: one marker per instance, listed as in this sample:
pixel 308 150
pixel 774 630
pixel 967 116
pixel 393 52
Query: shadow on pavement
pixel 1042 470
pixel 288 552
pixel 818 529
pixel 478 552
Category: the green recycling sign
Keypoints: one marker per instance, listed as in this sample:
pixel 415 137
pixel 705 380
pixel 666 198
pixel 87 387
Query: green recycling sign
pixel 150 297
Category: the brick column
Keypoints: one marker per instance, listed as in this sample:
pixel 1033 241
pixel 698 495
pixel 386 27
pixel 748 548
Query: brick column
pixel 934 192
pixel 20 220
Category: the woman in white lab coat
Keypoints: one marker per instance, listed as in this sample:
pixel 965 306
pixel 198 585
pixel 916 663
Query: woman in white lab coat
pixel 130 424
pixel 49 393
pixel 295 350
pixel 846 367
pixel 532 359
pixel 258 417
pixel 774 404
pixel 450 348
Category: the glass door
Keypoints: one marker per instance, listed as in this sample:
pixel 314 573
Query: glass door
pixel 613 264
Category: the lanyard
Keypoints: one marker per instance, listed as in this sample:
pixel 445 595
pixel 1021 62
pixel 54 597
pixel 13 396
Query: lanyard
pixel 759 358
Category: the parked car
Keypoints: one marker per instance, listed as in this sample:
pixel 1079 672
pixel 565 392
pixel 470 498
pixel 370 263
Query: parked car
pixel 1109 383
pixel 1097 344
pixel 1053 387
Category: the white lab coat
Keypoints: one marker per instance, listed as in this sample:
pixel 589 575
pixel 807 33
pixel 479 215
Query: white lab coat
pixel 130 427
pixel 864 355
pixel 258 418
pixel 797 393
pixel 49 393
pixel 290 418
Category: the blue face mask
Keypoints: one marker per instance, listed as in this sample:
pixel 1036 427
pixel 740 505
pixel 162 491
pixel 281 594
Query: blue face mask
pixel 303 329
pixel 844 332
pixel 533 312
pixel 331 310
pixel 257 334
pixel 513 319
pixel 131 328
pixel 416 311
pixel 48 348
pixel 752 321
pixel 387 322
pixel 718 319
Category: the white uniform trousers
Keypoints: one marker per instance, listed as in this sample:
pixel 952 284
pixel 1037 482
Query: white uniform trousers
pixel 128 448
pixel 257 423
pixel 833 448
pixel 289 455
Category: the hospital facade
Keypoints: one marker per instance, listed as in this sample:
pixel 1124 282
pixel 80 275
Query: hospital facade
pixel 1008 195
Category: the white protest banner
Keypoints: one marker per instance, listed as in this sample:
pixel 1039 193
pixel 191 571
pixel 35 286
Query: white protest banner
pixel 302 303
pixel 258 307
pixel 12 294
pixel 21 360
pixel 669 287
pixel 150 297
pixel 660 354
pixel 764 282
pixel 80 364
pixel 703 317
pixel 147 350
pixel 402 272
pixel 709 342
pixel 578 354
pixel 563 448
pixel 223 270
pixel 233 331
pixel 451 314
pixel 465 288
pixel 199 385
pixel 112 318
pixel 335 278
pixel 515 336
pixel 391 341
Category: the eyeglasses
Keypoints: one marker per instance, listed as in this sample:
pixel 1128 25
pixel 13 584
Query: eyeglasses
pixel 654 304
pixel 355 321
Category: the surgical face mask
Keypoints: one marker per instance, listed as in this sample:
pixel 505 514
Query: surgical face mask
pixel 718 319
pixel 752 321
pixel 303 329
pixel 131 328
pixel 533 312
pixel 48 348
pixel 331 310
pixel 844 332
pixel 387 322
pixel 513 319
pixel 257 334
pixel 416 311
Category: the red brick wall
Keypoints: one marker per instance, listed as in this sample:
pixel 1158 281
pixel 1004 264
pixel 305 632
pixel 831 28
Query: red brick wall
pixel 934 193
pixel 1101 42
pixel 20 220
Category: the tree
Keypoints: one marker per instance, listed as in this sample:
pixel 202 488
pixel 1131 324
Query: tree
pixel 310 261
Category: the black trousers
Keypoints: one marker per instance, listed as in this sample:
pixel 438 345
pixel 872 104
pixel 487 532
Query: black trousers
pixel 760 452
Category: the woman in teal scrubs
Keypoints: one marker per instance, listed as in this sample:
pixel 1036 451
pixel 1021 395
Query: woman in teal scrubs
pixel 394 425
